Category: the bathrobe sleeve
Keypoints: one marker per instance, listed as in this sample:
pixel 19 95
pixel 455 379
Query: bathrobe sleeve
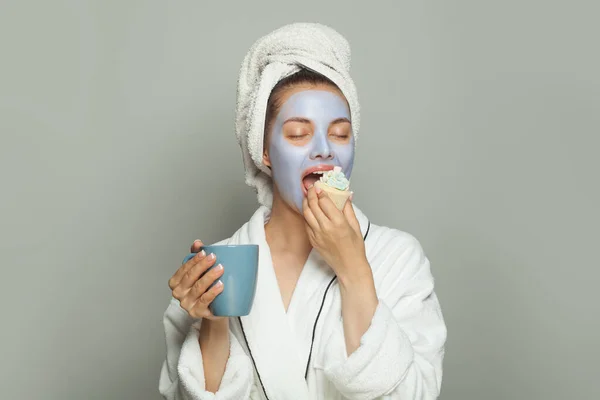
pixel 182 373
pixel 400 355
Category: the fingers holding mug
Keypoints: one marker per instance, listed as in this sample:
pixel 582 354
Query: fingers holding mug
pixel 200 296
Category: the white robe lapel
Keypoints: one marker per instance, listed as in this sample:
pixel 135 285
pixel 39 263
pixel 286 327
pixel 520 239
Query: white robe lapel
pixel 306 302
pixel 279 342
pixel 267 330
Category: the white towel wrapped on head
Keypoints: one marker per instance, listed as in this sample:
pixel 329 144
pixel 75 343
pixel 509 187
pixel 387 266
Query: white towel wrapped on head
pixel 273 57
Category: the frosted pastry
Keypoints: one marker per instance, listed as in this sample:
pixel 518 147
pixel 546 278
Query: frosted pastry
pixel 336 186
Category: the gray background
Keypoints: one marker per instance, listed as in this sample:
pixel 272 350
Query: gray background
pixel 117 150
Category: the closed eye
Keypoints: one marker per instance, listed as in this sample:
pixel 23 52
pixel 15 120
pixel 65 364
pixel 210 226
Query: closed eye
pixel 340 129
pixel 297 129
pixel 297 137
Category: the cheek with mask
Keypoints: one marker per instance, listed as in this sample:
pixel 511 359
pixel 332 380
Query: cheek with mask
pixel 311 133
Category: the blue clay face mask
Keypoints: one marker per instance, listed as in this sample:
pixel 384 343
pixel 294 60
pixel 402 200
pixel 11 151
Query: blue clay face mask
pixel 312 131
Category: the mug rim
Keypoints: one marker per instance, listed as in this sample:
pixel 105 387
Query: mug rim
pixel 229 245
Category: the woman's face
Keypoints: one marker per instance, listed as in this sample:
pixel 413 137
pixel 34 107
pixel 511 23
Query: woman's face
pixel 311 132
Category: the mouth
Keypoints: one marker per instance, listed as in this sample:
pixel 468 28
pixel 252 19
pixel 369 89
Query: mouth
pixel 313 174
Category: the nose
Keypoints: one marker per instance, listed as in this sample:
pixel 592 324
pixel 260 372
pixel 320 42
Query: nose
pixel 321 147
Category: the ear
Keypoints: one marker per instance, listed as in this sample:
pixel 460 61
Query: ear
pixel 266 159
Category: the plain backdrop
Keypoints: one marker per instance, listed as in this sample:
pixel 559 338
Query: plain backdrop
pixel 480 136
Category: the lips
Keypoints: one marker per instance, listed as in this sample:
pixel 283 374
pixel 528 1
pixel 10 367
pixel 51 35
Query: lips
pixel 313 174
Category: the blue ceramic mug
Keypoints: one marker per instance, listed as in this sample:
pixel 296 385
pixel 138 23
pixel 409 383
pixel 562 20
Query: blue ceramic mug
pixel 240 265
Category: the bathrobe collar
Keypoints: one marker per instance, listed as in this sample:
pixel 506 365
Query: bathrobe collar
pixel 268 330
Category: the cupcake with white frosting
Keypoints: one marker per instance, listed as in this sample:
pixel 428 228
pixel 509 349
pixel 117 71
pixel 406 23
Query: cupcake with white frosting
pixel 336 186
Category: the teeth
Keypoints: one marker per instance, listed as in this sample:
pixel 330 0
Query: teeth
pixel 319 172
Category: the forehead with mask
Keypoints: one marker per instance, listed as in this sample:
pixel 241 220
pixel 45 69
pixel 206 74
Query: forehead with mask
pixel 308 128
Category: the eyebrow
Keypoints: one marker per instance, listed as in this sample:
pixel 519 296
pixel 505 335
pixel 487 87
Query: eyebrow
pixel 297 119
pixel 307 121
pixel 340 120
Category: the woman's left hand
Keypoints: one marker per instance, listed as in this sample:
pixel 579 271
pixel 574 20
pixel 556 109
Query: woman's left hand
pixel 335 234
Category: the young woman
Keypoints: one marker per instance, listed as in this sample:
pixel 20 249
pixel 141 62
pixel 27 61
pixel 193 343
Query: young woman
pixel 344 308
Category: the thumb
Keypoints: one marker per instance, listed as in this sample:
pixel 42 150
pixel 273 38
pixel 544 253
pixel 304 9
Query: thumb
pixel 351 216
pixel 196 246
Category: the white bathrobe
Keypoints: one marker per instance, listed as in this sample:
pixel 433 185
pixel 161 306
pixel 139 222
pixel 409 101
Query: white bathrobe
pixel 400 356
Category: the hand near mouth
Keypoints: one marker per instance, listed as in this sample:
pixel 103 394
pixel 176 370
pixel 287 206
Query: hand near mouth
pixel 334 233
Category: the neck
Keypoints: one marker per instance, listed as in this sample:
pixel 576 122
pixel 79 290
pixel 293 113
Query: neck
pixel 286 229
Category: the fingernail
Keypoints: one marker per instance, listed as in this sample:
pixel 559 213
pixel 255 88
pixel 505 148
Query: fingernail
pixel 319 190
pixel 219 267
pixel 219 283
pixel 211 256
pixel 202 254
pixel 310 187
pixel 197 241
pixel 351 195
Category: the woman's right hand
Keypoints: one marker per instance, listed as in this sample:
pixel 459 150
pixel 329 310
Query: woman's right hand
pixel 192 291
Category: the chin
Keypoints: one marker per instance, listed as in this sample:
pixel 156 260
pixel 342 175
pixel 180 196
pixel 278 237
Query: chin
pixel 289 202
pixel 297 208
pixel 290 205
